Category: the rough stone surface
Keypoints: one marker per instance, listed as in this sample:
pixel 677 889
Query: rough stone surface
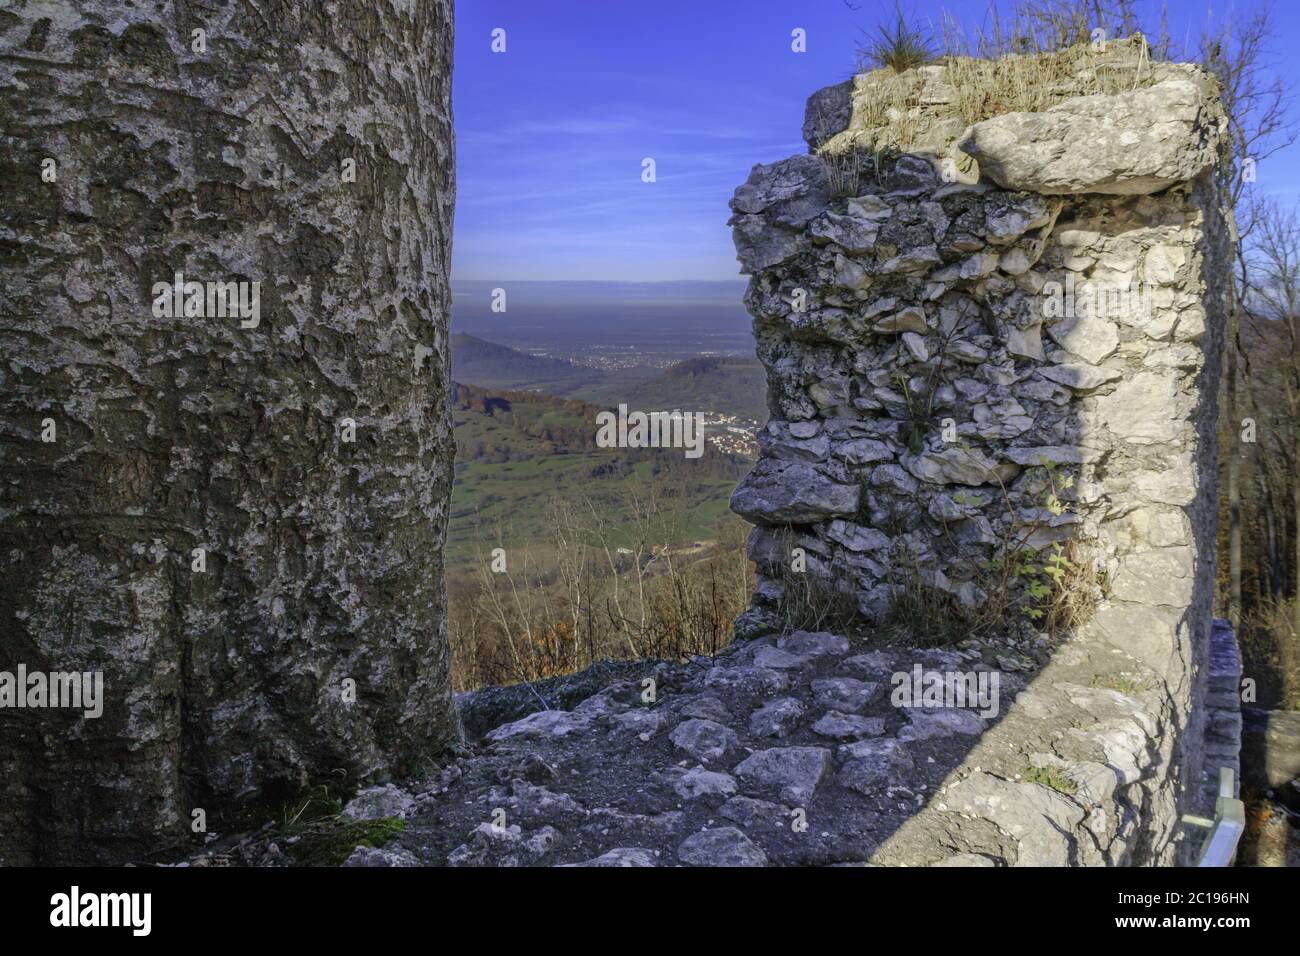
pixel 840 726
pixel 705 740
pixel 1130 143
pixel 487 708
pixel 777 718
pixel 844 693
pixel 323 556
pixel 698 782
pixel 791 772
pixel 596 796
pixel 725 846
pixel 793 492
pixel 622 856
pixel 381 856
pixel 1020 359
pixel 375 803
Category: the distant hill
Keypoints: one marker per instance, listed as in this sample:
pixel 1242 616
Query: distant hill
pixel 517 450
pixel 480 362
pixel 734 386
pixel 567 293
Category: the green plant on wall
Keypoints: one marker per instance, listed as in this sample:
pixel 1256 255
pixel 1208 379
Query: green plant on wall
pixel 917 423
pixel 1052 589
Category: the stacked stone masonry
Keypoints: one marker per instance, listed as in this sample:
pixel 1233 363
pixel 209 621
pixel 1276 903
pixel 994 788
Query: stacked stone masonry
pixel 1025 352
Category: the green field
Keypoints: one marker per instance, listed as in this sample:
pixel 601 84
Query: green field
pixel 509 488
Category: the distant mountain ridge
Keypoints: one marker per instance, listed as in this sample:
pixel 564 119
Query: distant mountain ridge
pixel 480 362
pixel 600 292
pixel 726 384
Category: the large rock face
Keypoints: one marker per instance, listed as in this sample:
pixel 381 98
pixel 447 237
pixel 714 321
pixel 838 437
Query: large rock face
pixel 1127 144
pixel 999 364
pixel 237 520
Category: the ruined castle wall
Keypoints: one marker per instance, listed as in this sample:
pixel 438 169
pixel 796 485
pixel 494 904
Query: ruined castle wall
pixel 1022 358
pixel 1223 712
pixel 236 520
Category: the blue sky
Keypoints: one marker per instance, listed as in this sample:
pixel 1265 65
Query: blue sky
pixel 551 134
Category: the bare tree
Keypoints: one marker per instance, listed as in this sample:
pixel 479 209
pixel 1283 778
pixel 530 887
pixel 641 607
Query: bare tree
pixel 1273 309
pixel 1259 124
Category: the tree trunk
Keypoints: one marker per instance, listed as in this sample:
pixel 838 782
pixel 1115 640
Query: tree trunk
pixel 1272 547
pixel 238 520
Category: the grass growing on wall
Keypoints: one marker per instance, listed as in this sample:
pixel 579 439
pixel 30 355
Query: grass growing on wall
pixel 914 78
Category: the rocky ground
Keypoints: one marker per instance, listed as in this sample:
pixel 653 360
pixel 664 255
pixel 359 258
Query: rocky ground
pixel 788 751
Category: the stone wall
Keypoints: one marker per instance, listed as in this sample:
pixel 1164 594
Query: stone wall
pixel 1223 711
pixel 1011 354
pixel 237 521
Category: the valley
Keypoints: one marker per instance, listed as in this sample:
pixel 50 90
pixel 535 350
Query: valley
pixel 525 436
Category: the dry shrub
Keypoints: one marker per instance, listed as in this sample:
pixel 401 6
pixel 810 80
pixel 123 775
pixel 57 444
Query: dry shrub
pixel 844 170
pixel 1075 596
pixel 584 597
pixel 1270 654
pixel 987 85
pixel 1055 590
pixel 814 602
pixel 898 46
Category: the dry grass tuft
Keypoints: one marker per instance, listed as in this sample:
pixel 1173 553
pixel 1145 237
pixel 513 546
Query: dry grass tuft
pixel 1046 51
pixel 811 602
pixel 899 46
